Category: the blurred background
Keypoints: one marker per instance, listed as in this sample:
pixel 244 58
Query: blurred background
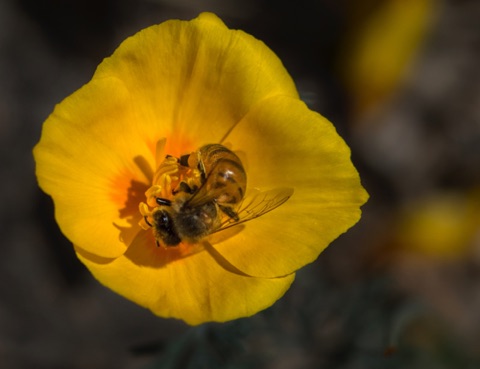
pixel 400 80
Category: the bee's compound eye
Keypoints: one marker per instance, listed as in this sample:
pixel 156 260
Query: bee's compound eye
pixel 164 220
pixel 164 202
pixel 165 231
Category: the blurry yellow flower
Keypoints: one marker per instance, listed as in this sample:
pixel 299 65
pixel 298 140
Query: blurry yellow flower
pixel 443 225
pixel 380 49
pixel 186 84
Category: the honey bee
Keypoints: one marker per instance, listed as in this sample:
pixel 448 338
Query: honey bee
pixel 217 202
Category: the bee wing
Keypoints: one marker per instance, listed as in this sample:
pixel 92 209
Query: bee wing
pixel 202 196
pixel 257 203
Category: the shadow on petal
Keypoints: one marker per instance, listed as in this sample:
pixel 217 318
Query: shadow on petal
pixel 225 234
pixel 92 257
pixel 144 167
pixel 224 263
pixel 143 251
pixel 135 194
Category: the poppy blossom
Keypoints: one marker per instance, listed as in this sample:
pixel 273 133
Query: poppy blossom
pixel 112 148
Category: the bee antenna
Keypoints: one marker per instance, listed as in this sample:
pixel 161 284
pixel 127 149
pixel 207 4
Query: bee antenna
pixel 164 202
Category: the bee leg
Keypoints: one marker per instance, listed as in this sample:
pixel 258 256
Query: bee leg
pixel 229 212
pixel 201 168
pixel 183 160
pixel 146 221
pixel 171 156
pixel 184 187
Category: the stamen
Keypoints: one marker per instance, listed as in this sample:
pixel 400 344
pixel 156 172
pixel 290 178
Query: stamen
pixel 146 214
pixel 165 173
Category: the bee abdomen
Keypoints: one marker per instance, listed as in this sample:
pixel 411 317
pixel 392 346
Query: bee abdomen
pixel 226 170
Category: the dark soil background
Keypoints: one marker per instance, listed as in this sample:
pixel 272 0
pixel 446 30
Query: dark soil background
pixel 372 299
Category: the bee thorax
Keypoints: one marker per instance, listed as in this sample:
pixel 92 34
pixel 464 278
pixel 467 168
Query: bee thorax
pixel 197 222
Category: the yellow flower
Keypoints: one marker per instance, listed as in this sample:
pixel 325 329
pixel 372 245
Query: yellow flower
pixel 169 90
pixel 379 51
pixel 442 226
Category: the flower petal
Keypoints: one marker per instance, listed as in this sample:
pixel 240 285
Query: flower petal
pixel 196 289
pixel 197 78
pixel 91 170
pixel 315 162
